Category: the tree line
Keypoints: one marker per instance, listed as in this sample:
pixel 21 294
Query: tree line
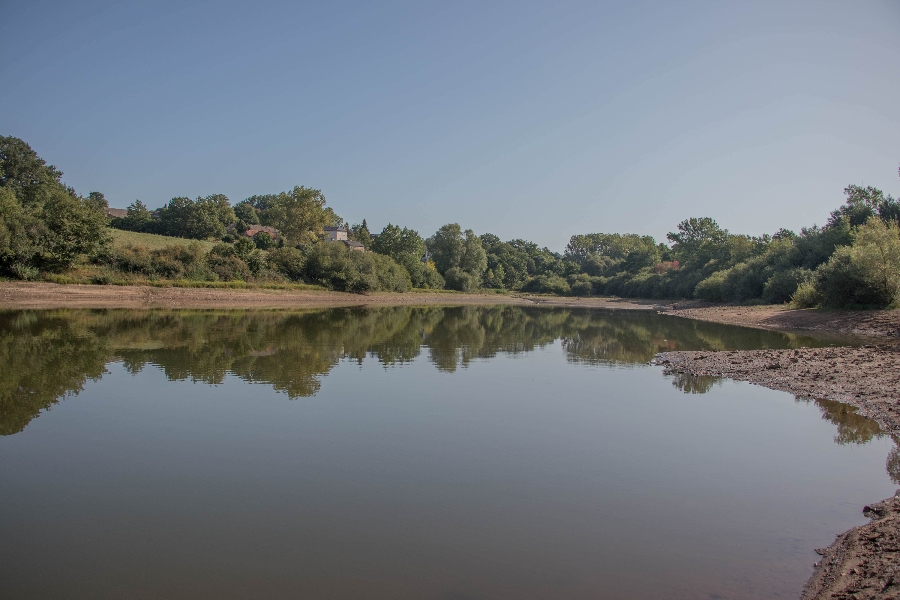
pixel 46 227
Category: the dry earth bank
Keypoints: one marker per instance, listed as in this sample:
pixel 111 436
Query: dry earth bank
pixel 36 295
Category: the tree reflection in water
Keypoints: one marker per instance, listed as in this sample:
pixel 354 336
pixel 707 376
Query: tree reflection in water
pixel 50 355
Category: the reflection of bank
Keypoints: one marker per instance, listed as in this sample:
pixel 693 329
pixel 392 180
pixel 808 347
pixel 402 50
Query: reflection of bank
pixel 852 428
pixel 49 355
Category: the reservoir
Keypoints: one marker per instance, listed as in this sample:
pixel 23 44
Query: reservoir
pixel 447 453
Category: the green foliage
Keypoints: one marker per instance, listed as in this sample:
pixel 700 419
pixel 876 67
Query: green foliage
pixel 396 243
pixel 245 211
pixel 548 284
pixel 631 252
pixel 138 218
pixel 97 200
pixel 199 219
pixel 337 267
pixel 300 214
pixel 457 279
pixel 451 248
pixel 26 174
pixel 169 262
pixel 290 262
pixel 264 240
pixel 782 285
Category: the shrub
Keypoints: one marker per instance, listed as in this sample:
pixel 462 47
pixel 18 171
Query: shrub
pixel 290 262
pixel 782 285
pixel 335 266
pixel 552 284
pixel 264 240
pixel 806 296
pixel 457 279
pixel 714 288
pixel 227 268
pixel 842 283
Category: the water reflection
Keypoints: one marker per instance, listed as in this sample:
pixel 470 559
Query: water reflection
pixel 51 355
pixel 518 474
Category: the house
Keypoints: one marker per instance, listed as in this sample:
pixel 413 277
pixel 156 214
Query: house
pixel 252 230
pixel 354 245
pixel 115 213
pixel 336 234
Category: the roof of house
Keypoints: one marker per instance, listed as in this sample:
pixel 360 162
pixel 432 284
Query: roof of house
pixel 330 228
pixel 254 229
pixel 353 243
pixel 116 212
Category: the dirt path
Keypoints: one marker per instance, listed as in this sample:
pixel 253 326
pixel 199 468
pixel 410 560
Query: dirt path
pixel 25 295
pixel 863 563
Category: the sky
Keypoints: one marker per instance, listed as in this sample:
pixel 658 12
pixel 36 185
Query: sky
pixel 534 120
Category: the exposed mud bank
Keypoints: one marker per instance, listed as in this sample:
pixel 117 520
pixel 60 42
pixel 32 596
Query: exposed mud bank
pixel 869 323
pixel 30 295
pixel 862 563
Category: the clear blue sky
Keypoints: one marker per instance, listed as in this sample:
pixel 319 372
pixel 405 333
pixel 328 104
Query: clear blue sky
pixel 525 119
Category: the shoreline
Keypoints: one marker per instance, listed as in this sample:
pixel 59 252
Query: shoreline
pixel 39 295
pixel 863 562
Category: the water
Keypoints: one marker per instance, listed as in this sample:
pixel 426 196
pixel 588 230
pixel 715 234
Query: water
pixel 446 453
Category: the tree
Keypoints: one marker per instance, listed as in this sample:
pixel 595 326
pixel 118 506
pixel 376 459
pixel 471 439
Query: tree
pixel 698 241
pixel 29 177
pixel 300 215
pixel 246 212
pixel 137 218
pixel 98 200
pixel 201 219
pixel 396 243
pixel 453 248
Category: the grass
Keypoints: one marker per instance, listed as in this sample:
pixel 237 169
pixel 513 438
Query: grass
pixel 152 241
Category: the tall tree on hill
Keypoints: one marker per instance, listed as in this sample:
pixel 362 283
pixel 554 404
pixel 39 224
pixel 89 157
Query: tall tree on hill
pixel 300 215
pixel 43 224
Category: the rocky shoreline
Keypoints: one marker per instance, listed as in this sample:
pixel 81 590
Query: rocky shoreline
pixel 864 562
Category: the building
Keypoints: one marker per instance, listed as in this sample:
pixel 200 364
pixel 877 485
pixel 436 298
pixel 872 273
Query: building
pixel 252 230
pixel 116 213
pixel 354 245
pixel 336 234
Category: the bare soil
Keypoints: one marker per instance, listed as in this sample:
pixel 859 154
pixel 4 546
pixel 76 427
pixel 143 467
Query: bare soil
pixel 870 323
pixel 36 295
pixel 863 563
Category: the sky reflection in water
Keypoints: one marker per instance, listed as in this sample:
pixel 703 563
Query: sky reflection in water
pixel 465 452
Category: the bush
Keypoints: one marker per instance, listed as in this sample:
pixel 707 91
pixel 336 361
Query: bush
pixel 714 288
pixel 264 240
pixel 457 279
pixel 290 262
pixel 543 284
pixel 842 283
pixel 806 296
pixel 782 285
pixel 228 268
pixel 334 265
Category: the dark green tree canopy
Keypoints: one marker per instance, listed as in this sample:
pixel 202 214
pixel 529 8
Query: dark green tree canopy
pixel 29 177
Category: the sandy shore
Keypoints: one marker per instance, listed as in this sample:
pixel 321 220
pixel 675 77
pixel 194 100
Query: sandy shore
pixel 29 295
pixel 863 563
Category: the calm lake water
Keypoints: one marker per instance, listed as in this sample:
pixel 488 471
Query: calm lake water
pixel 446 453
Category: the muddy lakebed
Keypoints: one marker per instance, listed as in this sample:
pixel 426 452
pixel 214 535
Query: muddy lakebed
pixel 408 452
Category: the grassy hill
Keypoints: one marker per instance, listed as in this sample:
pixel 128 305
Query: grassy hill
pixel 151 240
